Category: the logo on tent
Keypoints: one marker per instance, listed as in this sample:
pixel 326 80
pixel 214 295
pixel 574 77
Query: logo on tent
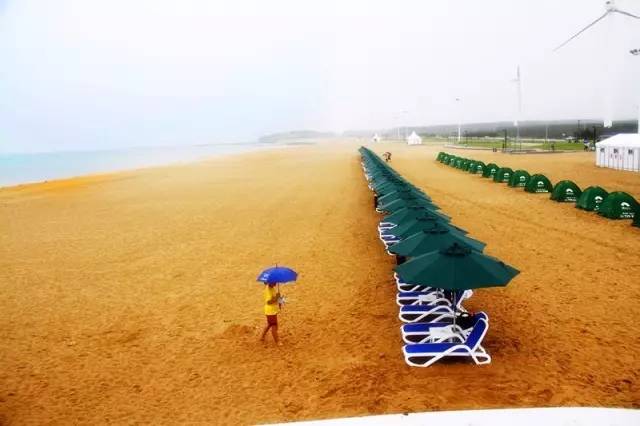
pixel 540 184
pixel 569 191
pixel 625 206
pixel 506 175
pixel 522 178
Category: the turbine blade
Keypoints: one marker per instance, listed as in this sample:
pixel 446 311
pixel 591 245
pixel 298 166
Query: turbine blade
pixel 581 31
pixel 627 13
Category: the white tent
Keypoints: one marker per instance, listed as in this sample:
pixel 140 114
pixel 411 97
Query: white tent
pixel 621 151
pixel 376 138
pixel 414 139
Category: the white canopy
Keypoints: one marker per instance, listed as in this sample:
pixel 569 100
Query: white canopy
pixel 376 138
pixel 621 139
pixel 414 139
pixel 621 151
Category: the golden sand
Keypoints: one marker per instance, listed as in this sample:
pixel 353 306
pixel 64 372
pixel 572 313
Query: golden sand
pixel 132 297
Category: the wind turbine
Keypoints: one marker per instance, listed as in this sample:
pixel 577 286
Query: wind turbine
pixel 611 10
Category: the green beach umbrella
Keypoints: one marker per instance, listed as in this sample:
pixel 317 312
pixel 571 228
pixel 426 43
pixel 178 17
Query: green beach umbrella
pixel 398 204
pixel 402 194
pixel 566 191
pixel 388 187
pixel 419 224
pixel 409 213
pixel 591 198
pixel 436 238
pixel 458 267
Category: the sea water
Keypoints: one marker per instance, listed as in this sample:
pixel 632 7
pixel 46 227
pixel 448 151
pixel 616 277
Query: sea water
pixel 37 167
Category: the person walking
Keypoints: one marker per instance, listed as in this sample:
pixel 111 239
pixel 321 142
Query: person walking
pixel 272 299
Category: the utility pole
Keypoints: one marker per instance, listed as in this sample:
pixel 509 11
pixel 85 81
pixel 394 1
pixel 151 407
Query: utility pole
pixel 459 119
pixel 546 133
pixel 636 52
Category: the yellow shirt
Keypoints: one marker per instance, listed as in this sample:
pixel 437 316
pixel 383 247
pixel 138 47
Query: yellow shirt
pixel 270 292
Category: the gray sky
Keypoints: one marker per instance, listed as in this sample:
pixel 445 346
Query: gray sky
pixel 79 74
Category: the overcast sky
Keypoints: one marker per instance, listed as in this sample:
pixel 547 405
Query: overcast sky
pixel 81 74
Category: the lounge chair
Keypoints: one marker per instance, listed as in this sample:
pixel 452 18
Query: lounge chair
pixel 424 297
pixel 420 332
pixel 425 354
pixel 425 313
pixel 386 225
pixel 402 286
pixel 433 297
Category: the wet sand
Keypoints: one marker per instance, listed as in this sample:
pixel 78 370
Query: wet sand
pixel 132 297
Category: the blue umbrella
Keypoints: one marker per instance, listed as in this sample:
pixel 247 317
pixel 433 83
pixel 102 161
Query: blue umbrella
pixel 278 274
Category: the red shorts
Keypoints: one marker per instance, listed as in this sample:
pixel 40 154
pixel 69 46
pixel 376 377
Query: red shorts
pixel 272 319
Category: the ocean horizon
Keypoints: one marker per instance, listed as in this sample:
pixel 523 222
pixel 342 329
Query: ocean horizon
pixel 24 168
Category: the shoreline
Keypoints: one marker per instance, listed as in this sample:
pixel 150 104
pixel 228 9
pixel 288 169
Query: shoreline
pixel 98 175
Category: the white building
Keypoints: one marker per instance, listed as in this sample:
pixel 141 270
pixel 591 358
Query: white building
pixel 414 139
pixel 621 151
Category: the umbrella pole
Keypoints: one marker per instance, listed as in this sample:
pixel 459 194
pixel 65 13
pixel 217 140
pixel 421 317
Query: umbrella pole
pixel 279 296
pixel 455 309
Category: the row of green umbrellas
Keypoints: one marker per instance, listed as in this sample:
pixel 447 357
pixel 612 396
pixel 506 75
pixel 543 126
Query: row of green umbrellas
pixel 440 254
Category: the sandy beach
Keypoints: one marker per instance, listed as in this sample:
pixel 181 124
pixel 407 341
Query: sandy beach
pixel 131 297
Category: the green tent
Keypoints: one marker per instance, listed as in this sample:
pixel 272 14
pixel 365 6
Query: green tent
pixel 490 170
pixel 479 167
pixel 471 166
pixel 618 205
pixel 503 175
pixel 464 165
pixel 566 191
pixel 538 183
pixel 452 160
pixel 519 178
pixel 636 219
pixel 440 155
pixel 591 198
pixel 458 163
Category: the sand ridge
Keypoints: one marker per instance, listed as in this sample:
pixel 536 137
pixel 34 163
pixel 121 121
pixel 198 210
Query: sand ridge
pixel 134 300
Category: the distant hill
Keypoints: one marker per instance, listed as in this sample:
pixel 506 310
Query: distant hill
pixel 295 134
